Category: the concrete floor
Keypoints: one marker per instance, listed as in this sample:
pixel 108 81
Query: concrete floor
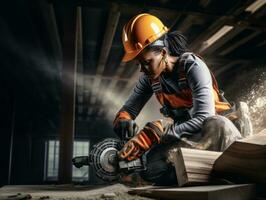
pixel 64 192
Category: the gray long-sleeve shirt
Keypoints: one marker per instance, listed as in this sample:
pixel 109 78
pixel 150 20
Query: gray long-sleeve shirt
pixel 200 82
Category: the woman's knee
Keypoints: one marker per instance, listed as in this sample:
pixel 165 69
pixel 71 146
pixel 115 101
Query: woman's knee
pixel 222 127
pixel 219 125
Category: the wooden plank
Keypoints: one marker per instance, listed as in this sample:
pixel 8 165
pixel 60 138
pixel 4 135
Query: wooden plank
pixel 194 166
pixel 245 159
pixel 214 192
pixel 180 168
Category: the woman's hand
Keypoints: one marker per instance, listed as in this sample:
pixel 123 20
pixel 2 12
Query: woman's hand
pixel 126 128
pixel 142 141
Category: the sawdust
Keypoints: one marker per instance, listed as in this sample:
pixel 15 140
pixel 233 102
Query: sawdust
pixel 250 86
pixel 70 192
pixel 256 100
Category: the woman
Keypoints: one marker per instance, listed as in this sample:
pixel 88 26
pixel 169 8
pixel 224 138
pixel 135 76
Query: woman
pixel 185 88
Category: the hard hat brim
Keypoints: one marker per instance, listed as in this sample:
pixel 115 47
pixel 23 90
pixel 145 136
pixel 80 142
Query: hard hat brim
pixel 130 56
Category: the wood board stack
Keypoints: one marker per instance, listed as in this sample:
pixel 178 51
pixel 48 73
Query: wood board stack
pixel 245 158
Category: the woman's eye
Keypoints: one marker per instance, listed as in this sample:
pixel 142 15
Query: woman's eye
pixel 146 62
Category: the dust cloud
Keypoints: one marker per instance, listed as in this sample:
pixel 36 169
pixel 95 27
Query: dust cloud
pixel 256 100
pixel 250 86
pixel 112 101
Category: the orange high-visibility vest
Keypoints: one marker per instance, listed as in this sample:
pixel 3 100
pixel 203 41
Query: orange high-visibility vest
pixel 184 98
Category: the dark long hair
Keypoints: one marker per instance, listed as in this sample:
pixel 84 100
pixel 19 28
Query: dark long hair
pixel 175 42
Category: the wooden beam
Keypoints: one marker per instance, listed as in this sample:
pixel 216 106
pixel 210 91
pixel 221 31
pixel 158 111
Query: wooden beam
pixel 221 41
pixel 111 26
pixel 129 7
pixel 136 5
pixel 197 44
pixel 188 22
pixel 238 43
pixel 49 16
pixel 244 160
pixel 132 8
pixel 114 78
pixel 211 192
pixel 112 22
pixel 226 67
pixel 67 112
pixel 194 166
pixel 220 60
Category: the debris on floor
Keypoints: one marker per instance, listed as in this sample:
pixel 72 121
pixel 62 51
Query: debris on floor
pixel 67 192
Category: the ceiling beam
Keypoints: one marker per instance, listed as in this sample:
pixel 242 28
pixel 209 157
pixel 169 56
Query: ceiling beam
pixel 220 42
pixel 223 69
pixel 133 7
pixel 238 43
pixel 220 59
pixel 112 78
pixel 111 26
pixel 197 44
pixel 50 19
pixel 227 19
pixel 147 4
pixel 188 22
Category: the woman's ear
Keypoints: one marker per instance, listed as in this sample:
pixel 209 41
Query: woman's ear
pixel 164 51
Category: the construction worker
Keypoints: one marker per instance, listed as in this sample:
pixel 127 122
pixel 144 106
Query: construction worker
pixel 187 91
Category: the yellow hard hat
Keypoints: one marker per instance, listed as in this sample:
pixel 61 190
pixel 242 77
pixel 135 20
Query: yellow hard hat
pixel 139 32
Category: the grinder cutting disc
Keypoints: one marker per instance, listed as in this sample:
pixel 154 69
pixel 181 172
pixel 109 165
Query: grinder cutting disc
pixel 103 158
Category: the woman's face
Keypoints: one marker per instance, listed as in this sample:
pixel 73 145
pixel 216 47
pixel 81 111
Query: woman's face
pixel 151 63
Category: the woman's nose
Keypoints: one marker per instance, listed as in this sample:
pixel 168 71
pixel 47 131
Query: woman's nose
pixel 144 68
pixel 140 68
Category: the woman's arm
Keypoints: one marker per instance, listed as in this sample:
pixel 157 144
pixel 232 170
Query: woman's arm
pixel 138 98
pixel 200 82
